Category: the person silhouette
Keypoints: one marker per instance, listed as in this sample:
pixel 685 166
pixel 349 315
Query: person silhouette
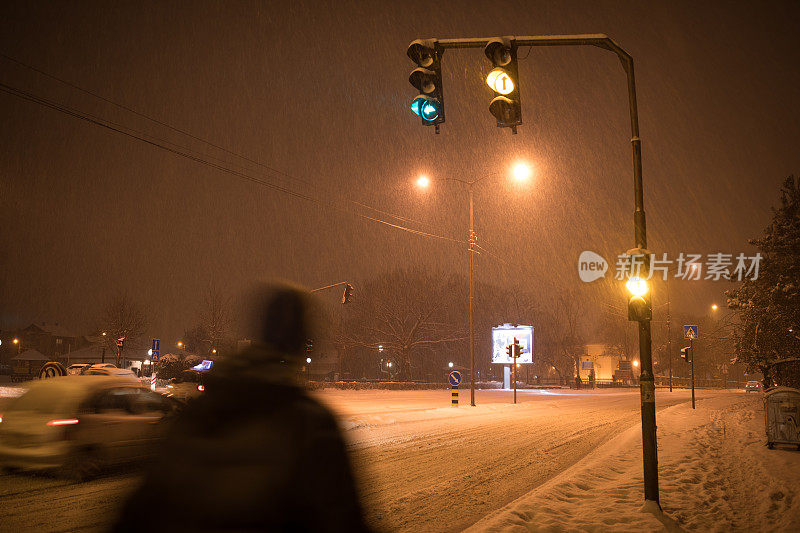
pixel 254 451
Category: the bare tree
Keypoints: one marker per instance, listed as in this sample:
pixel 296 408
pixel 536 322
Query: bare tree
pixel 213 325
pixel 405 312
pixel 122 318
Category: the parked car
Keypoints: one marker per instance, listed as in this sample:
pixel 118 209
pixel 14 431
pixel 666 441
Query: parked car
pixel 78 369
pixel 189 385
pixel 753 386
pixel 106 369
pixel 5 370
pixel 76 425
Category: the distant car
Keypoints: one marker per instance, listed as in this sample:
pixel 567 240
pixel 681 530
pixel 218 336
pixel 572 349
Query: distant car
pixel 77 369
pixel 75 425
pixel 110 370
pixel 188 386
pixel 753 386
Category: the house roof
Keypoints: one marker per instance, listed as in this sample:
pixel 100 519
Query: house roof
pixel 31 355
pixel 52 329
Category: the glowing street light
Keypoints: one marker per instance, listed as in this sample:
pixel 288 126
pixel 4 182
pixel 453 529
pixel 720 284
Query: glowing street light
pixel 423 181
pixel 521 172
pixel 150 352
pixel 636 363
pixel 308 360
pixel 213 350
pixel 450 364
pixel 180 344
pixel 380 347
pixel 714 307
pixel 16 341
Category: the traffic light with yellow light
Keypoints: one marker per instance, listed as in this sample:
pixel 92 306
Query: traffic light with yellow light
pixel 504 81
pixel 639 307
pixel 510 351
pixel 427 79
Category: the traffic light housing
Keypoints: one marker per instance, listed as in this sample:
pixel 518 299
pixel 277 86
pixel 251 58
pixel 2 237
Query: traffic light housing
pixel 510 351
pixel 686 354
pixel 517 350
pixel 504 81
pixel 427 79
pixel 347 296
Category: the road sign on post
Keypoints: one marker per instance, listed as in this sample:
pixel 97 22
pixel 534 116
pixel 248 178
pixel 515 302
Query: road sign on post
pixel 455 381
pixel 154 357
pixel 690 332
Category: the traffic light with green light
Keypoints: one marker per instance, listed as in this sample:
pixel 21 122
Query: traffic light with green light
pixel 504 81
pixel 427 79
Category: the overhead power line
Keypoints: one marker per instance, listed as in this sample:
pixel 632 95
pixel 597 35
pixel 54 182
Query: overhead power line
pixel 129 109
pixel 184 152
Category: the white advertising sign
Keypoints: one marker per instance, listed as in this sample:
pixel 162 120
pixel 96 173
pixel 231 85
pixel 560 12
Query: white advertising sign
pixel 504 335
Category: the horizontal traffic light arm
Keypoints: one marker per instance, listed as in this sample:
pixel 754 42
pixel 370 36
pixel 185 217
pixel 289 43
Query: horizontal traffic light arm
pixel 601 41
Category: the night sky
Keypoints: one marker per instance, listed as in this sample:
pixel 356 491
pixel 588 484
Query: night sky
pixel 315 96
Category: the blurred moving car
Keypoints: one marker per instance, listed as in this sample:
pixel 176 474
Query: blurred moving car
pixel 753 386
pixel 189 385
pixel 76 425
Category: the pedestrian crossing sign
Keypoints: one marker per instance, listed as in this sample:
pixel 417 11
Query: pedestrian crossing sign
pixel 690 332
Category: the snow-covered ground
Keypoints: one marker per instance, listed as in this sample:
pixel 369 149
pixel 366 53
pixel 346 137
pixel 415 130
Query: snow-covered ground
pixel 715 474
pixel 425 466
pixel 559 460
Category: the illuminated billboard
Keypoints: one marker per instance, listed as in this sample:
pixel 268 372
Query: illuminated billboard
pixel 504 335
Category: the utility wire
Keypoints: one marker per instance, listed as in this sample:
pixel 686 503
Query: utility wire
pixel 192 136
pixel 183 152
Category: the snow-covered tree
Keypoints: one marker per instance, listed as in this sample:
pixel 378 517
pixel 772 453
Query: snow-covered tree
pixel 769 305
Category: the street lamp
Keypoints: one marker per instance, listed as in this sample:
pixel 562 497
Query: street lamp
pixel 180 344
pixel 714 307
pixel 19 344
pixel 450 364
pixel 520 172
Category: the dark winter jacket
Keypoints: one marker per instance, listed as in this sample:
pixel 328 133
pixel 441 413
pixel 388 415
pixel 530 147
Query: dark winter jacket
pixel 255 452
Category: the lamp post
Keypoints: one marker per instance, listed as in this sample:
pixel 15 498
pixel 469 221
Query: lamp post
pixel 521 172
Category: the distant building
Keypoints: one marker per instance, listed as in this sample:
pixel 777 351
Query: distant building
pixel 52 340
pixel 608 363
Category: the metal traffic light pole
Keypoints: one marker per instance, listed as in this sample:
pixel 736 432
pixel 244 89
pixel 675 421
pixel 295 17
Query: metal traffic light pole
pixel 646 380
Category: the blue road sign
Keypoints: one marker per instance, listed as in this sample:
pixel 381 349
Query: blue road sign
pixel 455 378
pixel 156 353
pixel 690 332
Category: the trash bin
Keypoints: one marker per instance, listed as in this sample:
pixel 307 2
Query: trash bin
pixel 782 411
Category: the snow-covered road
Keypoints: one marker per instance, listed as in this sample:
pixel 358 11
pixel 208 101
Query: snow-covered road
pixel 558 460
pixel 428 467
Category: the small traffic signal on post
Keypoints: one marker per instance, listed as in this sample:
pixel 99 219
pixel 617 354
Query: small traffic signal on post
pixel 347 296
pixel 427 79
pixel 510 351
pixel 517 350
pixel 504 81
pixel 686 354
